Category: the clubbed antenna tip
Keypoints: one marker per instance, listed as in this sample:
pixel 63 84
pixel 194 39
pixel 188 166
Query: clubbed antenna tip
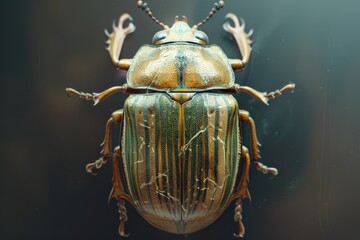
pixel 144 6
pixel 217 6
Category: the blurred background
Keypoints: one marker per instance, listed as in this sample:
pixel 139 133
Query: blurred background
pixel 310 135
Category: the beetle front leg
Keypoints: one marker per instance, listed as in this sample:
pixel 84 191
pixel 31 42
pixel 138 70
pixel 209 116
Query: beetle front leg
pixel 106 144
pixel 116 40
pixel 245 117
pixel 242 39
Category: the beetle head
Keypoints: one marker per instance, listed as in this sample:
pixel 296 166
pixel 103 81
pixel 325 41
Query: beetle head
pixel 180 32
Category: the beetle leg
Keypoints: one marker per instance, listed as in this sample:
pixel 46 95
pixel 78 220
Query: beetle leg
pixel 276 93
pixel 261 96
pixel 118 193
pixel 97 97
pixel 242 192
pixel 265 169
pixel 265 96
pixel 123 218
pixel 118 186
pixel 116 40
pixel 105 152
pixel 238 218
pixel 242 39
pixel 106 144
pixel 245 117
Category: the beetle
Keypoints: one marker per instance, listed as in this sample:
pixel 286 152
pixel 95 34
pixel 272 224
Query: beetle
pixel 180 161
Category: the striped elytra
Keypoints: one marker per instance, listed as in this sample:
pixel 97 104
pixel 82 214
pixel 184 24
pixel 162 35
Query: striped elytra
pixel 181 160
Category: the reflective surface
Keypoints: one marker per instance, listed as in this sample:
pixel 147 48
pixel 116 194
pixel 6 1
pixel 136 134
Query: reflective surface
pixel 311 136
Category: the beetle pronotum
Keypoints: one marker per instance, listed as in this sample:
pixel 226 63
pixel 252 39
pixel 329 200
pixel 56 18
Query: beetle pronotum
pixel 178 161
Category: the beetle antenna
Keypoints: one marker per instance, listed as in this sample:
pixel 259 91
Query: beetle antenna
pixel 144 6
pixel 217 7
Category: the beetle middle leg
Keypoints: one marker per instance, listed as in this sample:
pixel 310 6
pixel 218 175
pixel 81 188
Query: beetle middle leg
pixel 106 144
pixel 245 117
pixel 263 97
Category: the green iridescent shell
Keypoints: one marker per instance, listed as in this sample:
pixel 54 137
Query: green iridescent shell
pixel 181 160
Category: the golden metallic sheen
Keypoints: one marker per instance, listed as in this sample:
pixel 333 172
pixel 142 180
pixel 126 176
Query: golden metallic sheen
pixel 180 67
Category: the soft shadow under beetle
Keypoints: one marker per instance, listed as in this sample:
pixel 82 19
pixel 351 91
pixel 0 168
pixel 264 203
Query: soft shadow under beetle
pixel 180 161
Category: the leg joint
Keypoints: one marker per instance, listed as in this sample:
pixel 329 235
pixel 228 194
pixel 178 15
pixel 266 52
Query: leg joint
pixel 117 116
pixel 244 115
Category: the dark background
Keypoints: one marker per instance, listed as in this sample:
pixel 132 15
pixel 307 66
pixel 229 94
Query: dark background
pixel 311 135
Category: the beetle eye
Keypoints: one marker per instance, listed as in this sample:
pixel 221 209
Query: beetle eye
pixel 159 36
pixel 202 36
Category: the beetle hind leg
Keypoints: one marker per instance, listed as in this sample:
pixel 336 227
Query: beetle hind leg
pixel 238 219
pixel 265 169
pixel 118 193
pixel 242 192
pixel 123 218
